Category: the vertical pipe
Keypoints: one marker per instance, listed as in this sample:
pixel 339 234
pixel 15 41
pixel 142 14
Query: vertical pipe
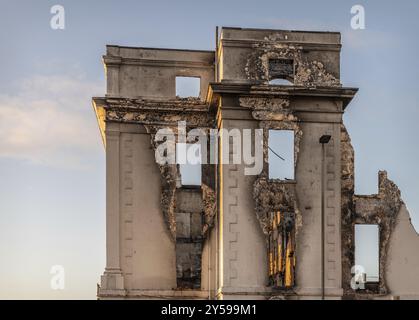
pixel 322 219
pixel 324 139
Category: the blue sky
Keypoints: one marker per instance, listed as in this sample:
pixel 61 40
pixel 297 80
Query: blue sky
pixel 52 192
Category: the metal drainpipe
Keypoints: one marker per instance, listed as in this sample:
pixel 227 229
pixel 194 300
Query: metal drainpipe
pixel 323 140
pixel 323 220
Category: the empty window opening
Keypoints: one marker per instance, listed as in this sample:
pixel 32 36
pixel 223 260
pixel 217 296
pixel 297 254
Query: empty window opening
pixel 281 71
pixel 280 82
pixel 281 247
pixel 188 87
pixel 188 157
pixel 367 250
pixel 281 154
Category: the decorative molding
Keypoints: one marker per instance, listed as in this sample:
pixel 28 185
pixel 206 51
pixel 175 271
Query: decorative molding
pixel 276 109
pixel 240 43
pixel 307 73
pixel 111 60
pixel 127 204
pixel 232 220
pixel 155 112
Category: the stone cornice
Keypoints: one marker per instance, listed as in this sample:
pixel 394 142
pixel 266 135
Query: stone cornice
pixel 151 112
pixel 241 43
pixel 117 60
pixel 220 88
pixel 187 104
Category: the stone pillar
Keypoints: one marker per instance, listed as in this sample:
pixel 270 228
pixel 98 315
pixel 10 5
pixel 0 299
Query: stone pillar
pixel 314 124
pixel 112 278
pixel 242 258
pixel 332 223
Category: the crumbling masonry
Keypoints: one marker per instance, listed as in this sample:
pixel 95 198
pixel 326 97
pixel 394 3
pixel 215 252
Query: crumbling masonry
pixel 241 236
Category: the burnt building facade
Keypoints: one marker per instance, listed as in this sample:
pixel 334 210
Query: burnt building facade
pixel 237 234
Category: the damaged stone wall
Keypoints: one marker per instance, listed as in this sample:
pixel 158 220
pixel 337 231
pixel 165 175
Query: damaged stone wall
pixel 256 214
pixel 277 212
pixel 276 114
pixel 275 200
pixel 189 214
pixel 347 209
pixel 380 209
pixel 271 196
pixel 189 237
pixel 171 175
pixel 188 222
pixel 307 73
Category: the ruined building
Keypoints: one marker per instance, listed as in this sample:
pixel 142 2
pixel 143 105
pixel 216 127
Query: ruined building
pixel 233 235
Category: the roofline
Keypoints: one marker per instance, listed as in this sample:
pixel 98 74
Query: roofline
pixel 162 49
pixel 295 31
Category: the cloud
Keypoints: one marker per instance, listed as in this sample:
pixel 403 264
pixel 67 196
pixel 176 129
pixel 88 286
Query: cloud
pixel 49 121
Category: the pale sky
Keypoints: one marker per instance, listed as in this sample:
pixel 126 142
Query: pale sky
pixel 52 192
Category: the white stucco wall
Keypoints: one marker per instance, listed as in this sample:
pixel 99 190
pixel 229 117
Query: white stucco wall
pixel 402 266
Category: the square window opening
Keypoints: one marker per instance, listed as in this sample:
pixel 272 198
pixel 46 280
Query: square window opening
pixel 281 71
pixel 188 87
pixel 367 251
pixel 280 82
pixel 281 154
pixel 188 157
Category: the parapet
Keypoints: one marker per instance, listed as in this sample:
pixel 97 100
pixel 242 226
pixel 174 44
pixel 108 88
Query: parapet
pixel 151 73
pixel 261 55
